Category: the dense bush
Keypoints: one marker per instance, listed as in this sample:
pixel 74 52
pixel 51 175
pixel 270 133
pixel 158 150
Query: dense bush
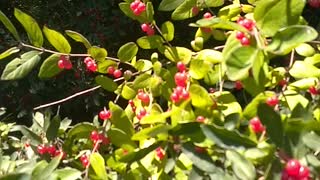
pixel 240 102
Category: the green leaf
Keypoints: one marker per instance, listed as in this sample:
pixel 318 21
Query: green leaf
pixel 167 29
pixel 149 12
pixel 79 38
pixel 53 128
pixel 273 123
pixel 293 98
pixel 125 8
pixel 127 51
pixel 142 81
pixel 106 83
pixel 8 24
pixel 201 160
pixel 250 110
pixel 311 140
pixel 210 55
pixel 98 165
pixel 305 50
pixel 49 67
pixel 16 176
pixel 127 92
pixel 169 5
pixel 48 170
pixel 225 138
pixel 219 23
pixel 34 138
pixel 241 166
pixel 184 10
pixel 31 26
pixel 120 139
pixel 199 96
pixel 139 154
pixel 273 15
pixel 212 3
pixel 286 39
pixel 151 132
pixel 303 84
pixel 227 103
pixel 301 69
pixel 57 40
pixel 150 42
pixel 21 67
pixel 9 52
pixel 120 119
pixel 177 54
pixel 98 53
pixel 199 68
pixel 68 174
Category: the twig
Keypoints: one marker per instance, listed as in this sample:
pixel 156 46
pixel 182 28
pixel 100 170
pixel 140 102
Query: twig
pixel 160 32
pixel 219 47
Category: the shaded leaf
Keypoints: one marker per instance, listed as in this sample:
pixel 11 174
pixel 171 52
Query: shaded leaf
pixel 311 140
pixel 169 5
pixel 9 52
pixel 127 51
pixel 53 128
pixel 34 138
pixel 68 174
pixel 106 83
pixel 49 67
pixel 79 38
pixel 8 24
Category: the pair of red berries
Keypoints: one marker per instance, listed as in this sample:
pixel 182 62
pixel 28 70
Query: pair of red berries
pixel 84 161
pixel 241 36
pixel 105 114
pixel 160 153
pixel 137 7
pixel 256 125
pixel 294 170
pixel 143 97
pixel 64 62
pixel 51 149
pixel 96 137
pixel 116 73
pixel 147 28
pixel 90 64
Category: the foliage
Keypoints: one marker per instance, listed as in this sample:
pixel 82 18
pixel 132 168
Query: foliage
pixel 263 114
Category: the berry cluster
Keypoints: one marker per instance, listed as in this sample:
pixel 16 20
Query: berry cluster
pixel 84 161
pixel 105 114
pixel 272 101
pixel 90 64
pixel 116 73
pixel 147 28
pixel 51 149
pixel 181 80
pixel 160 153
pixel 295 171
pixel 143 97
pixel 137 7
pixel 256 125
pixel 241 36
pixel 99 137
pixel 313 90
pixel 64 62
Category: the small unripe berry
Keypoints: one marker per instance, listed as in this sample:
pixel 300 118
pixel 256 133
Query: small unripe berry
pixel 195 10
pixel 111 70
pixel 238 85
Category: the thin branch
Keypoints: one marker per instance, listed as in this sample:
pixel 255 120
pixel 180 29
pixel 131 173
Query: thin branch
pixel 160 32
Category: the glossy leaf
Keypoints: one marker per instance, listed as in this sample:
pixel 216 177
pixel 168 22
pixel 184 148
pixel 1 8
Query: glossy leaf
pixel 169 5
pixel 167 29
pixel 151 132
pixel 106 83
pixel 305 49
pixel 213 3
pixel 149 12
pixel 250 110
pixel 120 119
pixel 142 81
pixel 48 170
pixel 286 39
pixel 98 53
pixel 199 68
pixel 139 154
pixel 49 67
pixel 273 123
pixel 53 128
pixel 8 24
pixel 210 55
pixel 301 69
pixel 98 165
pixel 199 96
pixel 150 42
pixel 57 40
pixel 127 51
pixel 184 10
pixel 21 67
pixel 273 15
pixel 241 166
pixel 311 139
pixel 9 52
pixel 31 26
pixel 177 54
pixel 227 103
pixel 79 38
pixel 201 160
pixel 120 139
pixel 225 138
pixel 219 23
pixel 128 92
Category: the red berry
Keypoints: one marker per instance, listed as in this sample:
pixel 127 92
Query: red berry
pixel 51 150
pixel 207 15
pixel 248 24
pixel 256 125
pixel 272 101
pixel 200 119
pixel 87 59
pixel 245 41
pixel 143 112
pixel 141 7
pixel 110 70
pixel 181 79
pixel 178 90
pixel 94 136
pixel 199 150
pixel 84 160
pixel 150 31
pixel 314 3
pixel 292 167
pixel 195 10
pixel 104 114
pixel 42 149
pixel 238 85
pixel 304 172
pixel 212 90
pixel 92 66
pixel 185 95
pixel 117 73
pixel 58 153
pixel 131 102
pixel 160 153
pixel 145 98
pixel 313 90
pixel 134 5
pixel 181 66
pixel 61 64
pixel 282 82
pixel 240 35
pixel 144 27
pixel 174 97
